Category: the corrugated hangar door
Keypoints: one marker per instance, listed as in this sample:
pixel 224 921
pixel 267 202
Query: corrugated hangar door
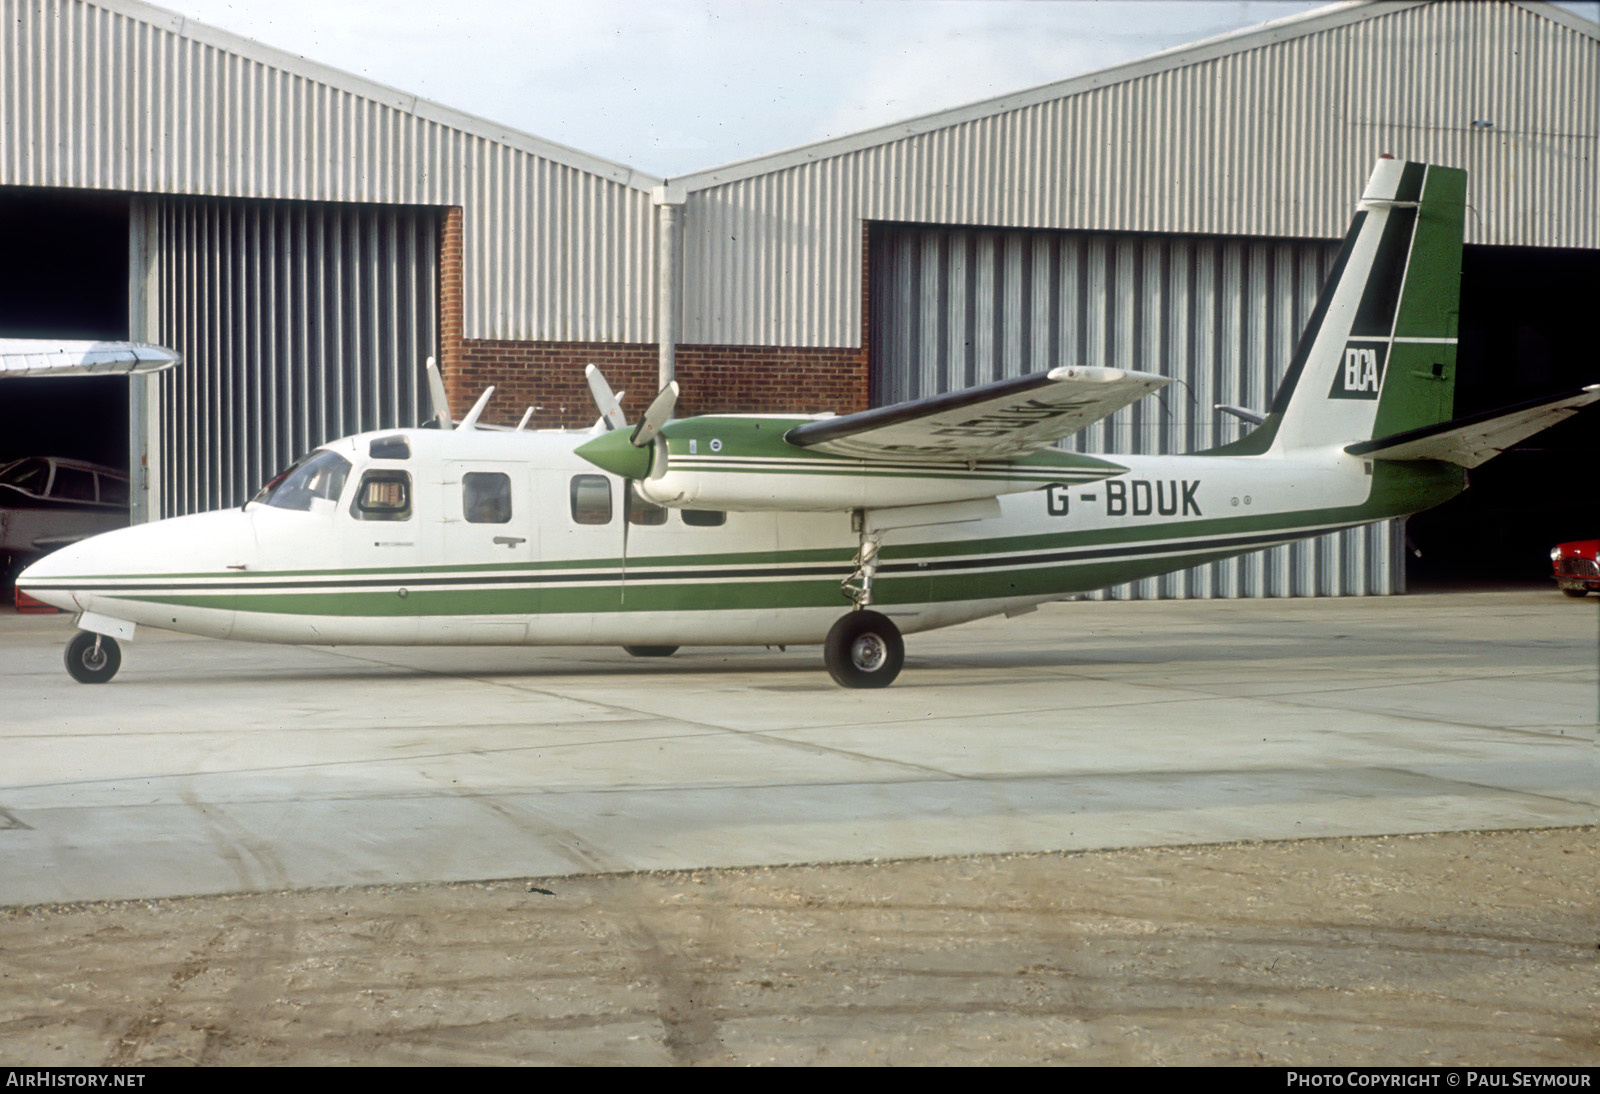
pixel 952 307
pixel 298 322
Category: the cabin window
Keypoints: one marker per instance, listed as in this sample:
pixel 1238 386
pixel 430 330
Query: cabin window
pixel 389 448
pixel 591 499
pixel 643 512
pixel 383 495
pixel 71 484
pixel 317 474
pixel 705 518
pixel 486 497
pixel 113 491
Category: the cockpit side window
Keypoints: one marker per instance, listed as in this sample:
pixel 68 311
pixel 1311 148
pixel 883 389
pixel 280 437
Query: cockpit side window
pixel 383 495
pixel 317 474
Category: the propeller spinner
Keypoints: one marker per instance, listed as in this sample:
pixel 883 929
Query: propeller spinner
pixel 629 455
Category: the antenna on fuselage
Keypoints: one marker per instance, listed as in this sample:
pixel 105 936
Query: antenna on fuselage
pixel 525 416
pixel 470 422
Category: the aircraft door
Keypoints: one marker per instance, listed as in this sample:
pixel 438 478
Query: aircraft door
pixel 580 550
pixel 488 540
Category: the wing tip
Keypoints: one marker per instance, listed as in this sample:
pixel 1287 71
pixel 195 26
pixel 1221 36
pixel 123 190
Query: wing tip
pixel 1103 375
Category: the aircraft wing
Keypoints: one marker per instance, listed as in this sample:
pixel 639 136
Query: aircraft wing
pixel 1477 438
pixel 1002 420
pixel 47 357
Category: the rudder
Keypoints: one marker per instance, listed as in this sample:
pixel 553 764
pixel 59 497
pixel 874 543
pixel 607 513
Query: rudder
pixel 1378 354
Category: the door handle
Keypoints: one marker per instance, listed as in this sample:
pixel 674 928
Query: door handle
pixel 510 541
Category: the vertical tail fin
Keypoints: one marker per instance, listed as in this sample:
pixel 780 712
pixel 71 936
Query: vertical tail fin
pixel 1378 355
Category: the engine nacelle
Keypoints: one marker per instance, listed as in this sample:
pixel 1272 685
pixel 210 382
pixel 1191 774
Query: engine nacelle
pixel 742 463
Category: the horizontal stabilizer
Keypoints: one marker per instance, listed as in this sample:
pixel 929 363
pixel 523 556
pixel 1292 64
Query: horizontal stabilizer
pixel 1002 420
pixel 49 357
pixel 1478 438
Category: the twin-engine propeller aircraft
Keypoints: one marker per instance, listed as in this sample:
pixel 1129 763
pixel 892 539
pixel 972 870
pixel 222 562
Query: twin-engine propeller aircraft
pixel 849 531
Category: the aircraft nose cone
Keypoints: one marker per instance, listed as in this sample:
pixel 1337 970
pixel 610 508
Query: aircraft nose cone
pixel 40 580
pixel 102 566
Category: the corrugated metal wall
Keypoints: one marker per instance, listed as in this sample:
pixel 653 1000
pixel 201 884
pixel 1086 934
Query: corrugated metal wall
pixel 121 96
pixel 298 322
pixel 954 307
pixel 1269 141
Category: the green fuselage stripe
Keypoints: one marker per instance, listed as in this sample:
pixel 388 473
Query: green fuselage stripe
pixel 1022 565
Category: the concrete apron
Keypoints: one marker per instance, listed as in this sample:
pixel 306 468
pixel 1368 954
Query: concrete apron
pixel 210 767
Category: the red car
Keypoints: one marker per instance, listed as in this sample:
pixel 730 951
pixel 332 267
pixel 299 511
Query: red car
pixel 1577 570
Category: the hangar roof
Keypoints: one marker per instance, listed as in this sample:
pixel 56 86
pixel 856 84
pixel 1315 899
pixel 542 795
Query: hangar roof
pixel 404 101
pixel 1290 27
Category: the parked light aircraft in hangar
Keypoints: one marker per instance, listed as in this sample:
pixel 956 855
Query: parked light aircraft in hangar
pixel 47 501
pixel 849 531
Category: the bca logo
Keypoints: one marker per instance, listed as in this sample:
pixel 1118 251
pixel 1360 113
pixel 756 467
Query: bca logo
pixel 1362 374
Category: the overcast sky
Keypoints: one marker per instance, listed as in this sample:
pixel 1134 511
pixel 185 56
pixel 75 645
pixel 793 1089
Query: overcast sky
pixel 673 86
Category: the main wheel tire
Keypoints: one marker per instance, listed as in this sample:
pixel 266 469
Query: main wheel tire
pixel 1576 592
pixel 89 663
pixel 651 651
pixel 864 650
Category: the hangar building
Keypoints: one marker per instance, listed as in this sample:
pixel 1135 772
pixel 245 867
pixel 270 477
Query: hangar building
pixel 307 239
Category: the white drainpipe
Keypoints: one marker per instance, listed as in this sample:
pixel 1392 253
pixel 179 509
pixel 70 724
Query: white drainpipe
pixel 669 201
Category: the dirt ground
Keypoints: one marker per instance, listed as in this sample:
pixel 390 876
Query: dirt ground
pixel 1466 948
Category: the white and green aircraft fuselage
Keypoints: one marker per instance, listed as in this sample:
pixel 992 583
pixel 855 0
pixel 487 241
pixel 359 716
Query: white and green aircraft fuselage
pixel 848 531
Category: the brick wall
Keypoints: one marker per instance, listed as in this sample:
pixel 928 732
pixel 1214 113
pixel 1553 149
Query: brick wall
pixel 451 304
pixel 711 379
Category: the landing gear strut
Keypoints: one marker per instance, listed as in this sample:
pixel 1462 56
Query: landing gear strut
pixel 858 586
pixel 93 658
pixel 864 649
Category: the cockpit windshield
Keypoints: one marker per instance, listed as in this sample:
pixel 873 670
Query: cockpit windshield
pixel 317 474
pixel 32 475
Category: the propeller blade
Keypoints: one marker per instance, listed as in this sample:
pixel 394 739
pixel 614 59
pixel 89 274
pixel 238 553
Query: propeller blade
pixel 441 405
pixel 610 405
pixel 656 415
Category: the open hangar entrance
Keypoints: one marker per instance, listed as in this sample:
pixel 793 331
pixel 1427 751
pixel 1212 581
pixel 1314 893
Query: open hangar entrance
pixel 298 322
pixel 953 306
pixel 1521 313
pixel 65 276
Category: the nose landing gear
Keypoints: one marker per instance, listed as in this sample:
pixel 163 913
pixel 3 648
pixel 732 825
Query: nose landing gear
pixel 93 658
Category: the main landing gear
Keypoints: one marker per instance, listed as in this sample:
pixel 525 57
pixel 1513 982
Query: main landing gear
pixel 863 649
pixel 93 658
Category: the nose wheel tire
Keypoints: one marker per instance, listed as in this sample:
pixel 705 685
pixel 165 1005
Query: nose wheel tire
pixel 93 658
pixel 864 650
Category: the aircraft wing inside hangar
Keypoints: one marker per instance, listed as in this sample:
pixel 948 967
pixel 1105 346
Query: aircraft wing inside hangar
pixel 48 357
